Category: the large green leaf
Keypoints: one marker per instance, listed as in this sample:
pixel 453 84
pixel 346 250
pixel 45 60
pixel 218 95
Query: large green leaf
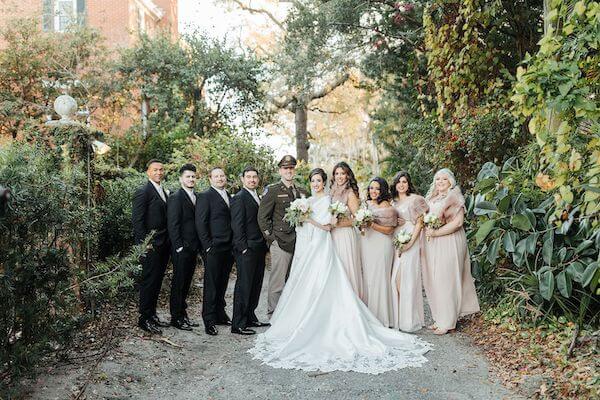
pixel 509 241
pixel 504 204
pixel 546 280
pixel 564 284
pixel 519 254
pixel 484 207
pixel 521 222
pixel 531 217
pixel 531 242
pixel 588 274
pixel 488 170
pixel 484 230
pixel 492 253
pixel 583 245
pixel 548 247
pixel 576 269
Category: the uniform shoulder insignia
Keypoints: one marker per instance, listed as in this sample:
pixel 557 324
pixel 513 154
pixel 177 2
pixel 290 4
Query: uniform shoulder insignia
pixel 266 190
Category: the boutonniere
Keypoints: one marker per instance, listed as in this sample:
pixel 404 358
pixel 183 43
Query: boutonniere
pixel 168 192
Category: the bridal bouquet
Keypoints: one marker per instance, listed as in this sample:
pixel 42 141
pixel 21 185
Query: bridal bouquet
pixel 400 239
pixel 298 212
pixel 363 217
pixel 432 221
pixel 338 209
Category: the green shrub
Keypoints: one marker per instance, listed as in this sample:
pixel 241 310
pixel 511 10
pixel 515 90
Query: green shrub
pixel 524 255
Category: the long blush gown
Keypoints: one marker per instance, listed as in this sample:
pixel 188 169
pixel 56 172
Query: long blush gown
pixel 407 287
pixel 347 244
pixel 447 279
pixel 377 250
pixel 320 323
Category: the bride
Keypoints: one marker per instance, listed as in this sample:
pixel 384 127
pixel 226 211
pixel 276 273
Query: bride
pixel 320 323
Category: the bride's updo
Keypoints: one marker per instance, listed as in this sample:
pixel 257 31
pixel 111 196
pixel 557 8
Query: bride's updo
pixel 318 171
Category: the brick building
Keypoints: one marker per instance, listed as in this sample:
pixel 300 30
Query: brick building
pixel 119 21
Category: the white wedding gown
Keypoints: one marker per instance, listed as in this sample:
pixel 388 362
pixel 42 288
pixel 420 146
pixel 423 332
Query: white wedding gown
pixel 320 323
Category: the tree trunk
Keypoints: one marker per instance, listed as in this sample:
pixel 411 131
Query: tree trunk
pixel 302 144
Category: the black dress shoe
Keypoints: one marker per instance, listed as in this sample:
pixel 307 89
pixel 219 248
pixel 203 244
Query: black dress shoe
pixel 158 322
pixel 211 330
pixel 149 326
pixel 191 323
pixel 244 331
pixel 181 324
pixel 258 324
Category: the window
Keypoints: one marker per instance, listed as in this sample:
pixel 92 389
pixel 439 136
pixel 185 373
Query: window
pixel 58 15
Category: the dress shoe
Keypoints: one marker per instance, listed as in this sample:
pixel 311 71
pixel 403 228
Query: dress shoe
pixel 149 326
pixel 258 324
pixel 211 330
pixel 244 331
pixel 181 324
pixel 191 323
pixel 158 322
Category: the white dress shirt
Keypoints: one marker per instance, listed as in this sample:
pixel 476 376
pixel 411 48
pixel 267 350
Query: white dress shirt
pixel 160 190
pixel 223 194
pixel 253 193
pixel 191 195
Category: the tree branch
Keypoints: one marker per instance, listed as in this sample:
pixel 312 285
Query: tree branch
pixel 259 11
pixel 330 87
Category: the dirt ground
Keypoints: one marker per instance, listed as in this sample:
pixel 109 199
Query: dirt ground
pixel 193 365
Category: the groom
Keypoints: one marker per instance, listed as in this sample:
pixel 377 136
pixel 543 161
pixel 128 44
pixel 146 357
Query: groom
pixel 280 235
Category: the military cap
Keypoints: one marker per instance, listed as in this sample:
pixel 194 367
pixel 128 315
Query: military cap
pixel 287 161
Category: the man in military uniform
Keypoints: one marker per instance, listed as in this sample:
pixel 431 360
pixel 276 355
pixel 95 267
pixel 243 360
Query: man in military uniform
pixel 280 235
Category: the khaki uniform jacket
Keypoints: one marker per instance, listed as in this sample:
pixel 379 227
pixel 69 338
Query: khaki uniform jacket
pixel 271 212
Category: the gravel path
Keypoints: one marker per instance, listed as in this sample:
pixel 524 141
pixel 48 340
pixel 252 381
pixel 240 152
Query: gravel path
pixel 207 367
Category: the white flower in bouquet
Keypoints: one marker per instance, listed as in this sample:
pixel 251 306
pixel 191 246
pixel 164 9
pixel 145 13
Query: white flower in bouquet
pixel 432 221
pixel 338 209
pixel 362 218
pixel 298 212
pixel 401 238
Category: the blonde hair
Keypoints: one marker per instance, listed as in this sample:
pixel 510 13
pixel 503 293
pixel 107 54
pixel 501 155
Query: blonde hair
pixel 432 192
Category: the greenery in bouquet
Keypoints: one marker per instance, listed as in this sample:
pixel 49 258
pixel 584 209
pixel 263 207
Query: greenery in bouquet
pixel 298 212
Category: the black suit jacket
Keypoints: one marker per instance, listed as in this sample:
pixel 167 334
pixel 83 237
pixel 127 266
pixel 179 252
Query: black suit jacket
pixel 182 226
pixel 149 213
pixel 244 223
pixel 213 221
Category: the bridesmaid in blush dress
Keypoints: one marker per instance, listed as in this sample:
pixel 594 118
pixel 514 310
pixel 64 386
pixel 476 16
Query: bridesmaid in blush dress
pixel 377 251
pixel 407 289
pixel 344 189
pixel 447 276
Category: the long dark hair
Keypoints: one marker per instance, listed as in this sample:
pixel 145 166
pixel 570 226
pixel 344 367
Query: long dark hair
pixel 318 171
pixel 402 174
pixel 351 178
pixel 384 190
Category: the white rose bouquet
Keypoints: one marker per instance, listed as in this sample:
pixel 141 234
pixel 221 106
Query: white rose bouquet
pixel 400 239
pixel 298 212
pixel 362 219
pixel 432 221
pixel 338 209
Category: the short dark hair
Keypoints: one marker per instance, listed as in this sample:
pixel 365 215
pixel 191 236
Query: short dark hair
pixel 402 174
pixel 318 171
pixel 384 190
pixel 248 168
pixel 187 167
pixel 154 160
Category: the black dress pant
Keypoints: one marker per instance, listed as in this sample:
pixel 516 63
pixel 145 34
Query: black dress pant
pixel 154 265
pixel 217 268
pixel 250 272
pixel 184 266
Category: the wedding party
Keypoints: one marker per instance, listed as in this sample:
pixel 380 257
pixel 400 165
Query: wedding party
pixel 299 199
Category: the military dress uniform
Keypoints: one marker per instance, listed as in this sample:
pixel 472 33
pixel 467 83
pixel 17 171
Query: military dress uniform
pixel 280 235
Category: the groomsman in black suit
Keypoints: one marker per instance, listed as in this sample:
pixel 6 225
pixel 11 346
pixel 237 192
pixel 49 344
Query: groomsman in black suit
pixel 184 238
pixel 149 214
pixel 213 222
pixel 250 249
